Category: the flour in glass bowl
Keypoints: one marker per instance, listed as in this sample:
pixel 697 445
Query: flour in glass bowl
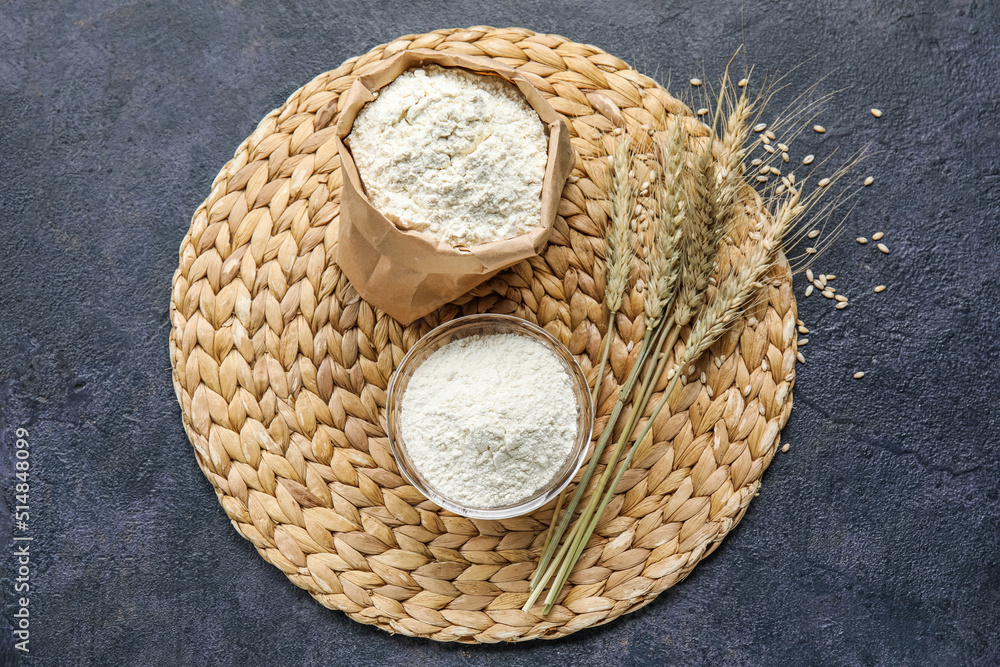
pixel 489 420
pixel 457 155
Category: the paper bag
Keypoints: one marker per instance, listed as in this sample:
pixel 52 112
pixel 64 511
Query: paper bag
pixel 407 273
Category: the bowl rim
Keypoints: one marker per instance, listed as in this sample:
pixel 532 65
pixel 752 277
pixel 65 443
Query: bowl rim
pixel 394 405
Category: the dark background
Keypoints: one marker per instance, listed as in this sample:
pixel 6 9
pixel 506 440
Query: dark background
pixel 874 540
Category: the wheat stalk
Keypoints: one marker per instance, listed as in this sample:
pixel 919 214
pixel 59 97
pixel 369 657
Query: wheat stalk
pixel 729 303
pixel 619 258
pixel 663 269
pixel 713 179
pixel 691 228
pixel 663 273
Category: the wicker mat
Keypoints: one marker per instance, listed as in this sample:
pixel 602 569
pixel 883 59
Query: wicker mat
pixel 281 372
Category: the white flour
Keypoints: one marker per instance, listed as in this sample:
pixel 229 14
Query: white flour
pixel 457 155
pixel 490 419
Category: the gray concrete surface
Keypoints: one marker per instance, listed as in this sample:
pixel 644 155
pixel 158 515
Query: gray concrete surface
pixel 874 540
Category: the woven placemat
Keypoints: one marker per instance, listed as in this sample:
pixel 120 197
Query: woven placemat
pixel 281 372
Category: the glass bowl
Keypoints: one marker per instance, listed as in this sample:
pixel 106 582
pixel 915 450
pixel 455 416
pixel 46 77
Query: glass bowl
pixel 475 325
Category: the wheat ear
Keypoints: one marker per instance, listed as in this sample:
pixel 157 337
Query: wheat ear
pixel 669 195
pixel 619 242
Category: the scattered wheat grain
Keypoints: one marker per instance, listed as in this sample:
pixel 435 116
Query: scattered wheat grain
pixel 877 236
pixel 784 447
pixel 760 127
pixel 808 159
pixel 883 248
pixel 809 290
pixel 819 129
pixel 880 288
pixel 823 182
pixel 841 305
pixel 841 298
pixel 695 82
pixel 813 234
pixel 802 359
pixel 877 113
pixel 862 240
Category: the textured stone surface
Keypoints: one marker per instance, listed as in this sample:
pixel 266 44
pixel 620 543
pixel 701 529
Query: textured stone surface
pixel 873 541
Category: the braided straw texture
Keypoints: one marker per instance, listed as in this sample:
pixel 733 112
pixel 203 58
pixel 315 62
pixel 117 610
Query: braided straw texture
pixel 281 373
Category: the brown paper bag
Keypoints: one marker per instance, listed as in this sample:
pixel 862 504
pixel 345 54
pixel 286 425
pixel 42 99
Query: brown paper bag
pixel 408 273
